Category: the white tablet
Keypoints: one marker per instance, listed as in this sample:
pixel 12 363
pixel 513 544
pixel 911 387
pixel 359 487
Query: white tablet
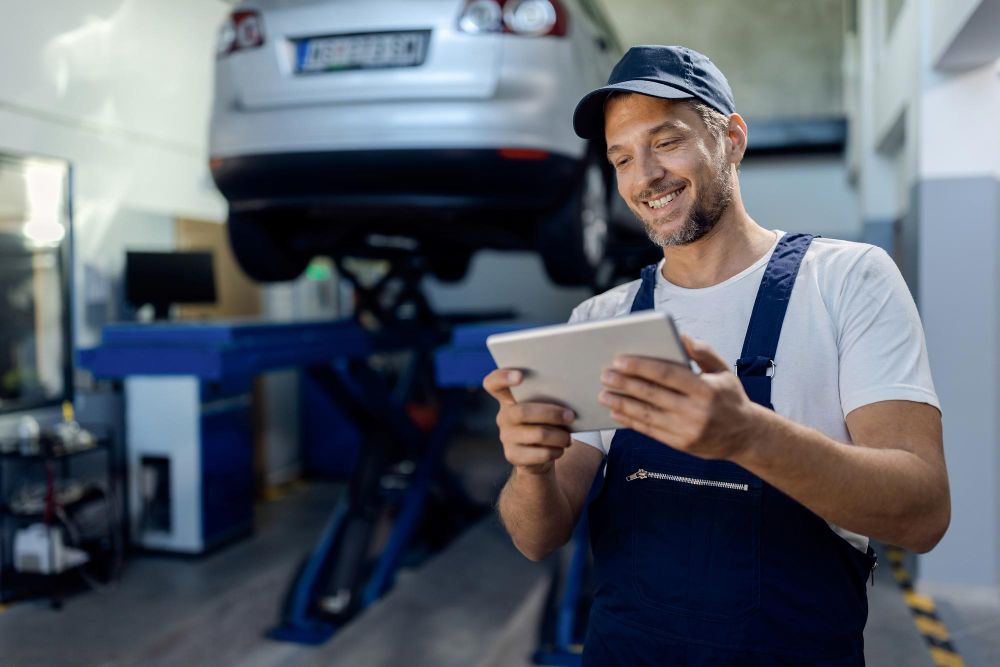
pixel 562 364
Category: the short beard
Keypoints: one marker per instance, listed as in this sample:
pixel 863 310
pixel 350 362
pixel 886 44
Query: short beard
pixel 705 214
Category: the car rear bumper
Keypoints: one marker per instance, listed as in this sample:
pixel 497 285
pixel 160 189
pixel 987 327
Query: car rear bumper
pixel 462 198
pixel 408 182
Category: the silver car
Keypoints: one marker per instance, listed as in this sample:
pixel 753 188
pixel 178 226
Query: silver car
pixel 437 127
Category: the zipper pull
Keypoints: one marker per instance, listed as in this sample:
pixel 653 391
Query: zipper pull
pixel 638 474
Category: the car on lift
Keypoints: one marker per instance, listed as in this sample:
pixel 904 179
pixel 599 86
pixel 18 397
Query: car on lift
pixel 428 127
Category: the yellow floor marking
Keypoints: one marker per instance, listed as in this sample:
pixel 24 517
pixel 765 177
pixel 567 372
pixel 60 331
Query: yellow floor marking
pixel 273 492
pixel 943 658
pixel 928 626
pixel 918 601
pixel 931 627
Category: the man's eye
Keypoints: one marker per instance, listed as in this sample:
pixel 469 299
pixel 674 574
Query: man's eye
pixel 621 163
pixel 665 144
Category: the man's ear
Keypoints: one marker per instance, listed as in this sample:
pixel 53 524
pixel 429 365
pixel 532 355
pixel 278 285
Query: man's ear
pixel 737 135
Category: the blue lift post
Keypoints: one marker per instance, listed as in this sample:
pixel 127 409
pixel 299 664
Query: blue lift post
pixel 404 320
pixel 300 620
pixel 464 363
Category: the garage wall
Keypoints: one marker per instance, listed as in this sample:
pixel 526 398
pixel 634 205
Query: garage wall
pixel 107 85
pixel 801 194
pixel 782 57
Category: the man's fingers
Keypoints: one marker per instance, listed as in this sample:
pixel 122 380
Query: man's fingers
pixel 499 382
pixel 665 373
pixel 532 456
pixel 645 390
pixel 539 436
pixel 630 407
pixel 541 413
pixel 662 434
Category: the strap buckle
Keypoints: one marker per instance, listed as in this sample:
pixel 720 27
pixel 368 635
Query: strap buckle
pixel 755 367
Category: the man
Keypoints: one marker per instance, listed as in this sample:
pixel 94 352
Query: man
pixel 731 524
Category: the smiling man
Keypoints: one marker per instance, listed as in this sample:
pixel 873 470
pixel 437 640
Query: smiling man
pixel 732 522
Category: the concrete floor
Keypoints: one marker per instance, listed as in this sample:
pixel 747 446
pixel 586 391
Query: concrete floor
pixel 972 616
pixel 476 604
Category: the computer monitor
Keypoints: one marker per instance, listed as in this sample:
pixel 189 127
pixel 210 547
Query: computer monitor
pixel 165 278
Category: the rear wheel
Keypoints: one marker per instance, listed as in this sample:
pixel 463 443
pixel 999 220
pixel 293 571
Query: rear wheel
pixel 263 247
pixel 450 266
pixel 573 242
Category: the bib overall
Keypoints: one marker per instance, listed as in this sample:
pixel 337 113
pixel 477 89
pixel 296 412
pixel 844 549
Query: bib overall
pixel 700 562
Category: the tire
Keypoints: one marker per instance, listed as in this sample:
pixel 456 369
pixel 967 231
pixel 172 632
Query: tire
pixel 261 243
pixel 451 266
pixel 573 242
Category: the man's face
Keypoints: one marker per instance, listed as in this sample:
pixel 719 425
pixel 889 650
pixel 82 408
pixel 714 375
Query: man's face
pixel 672 172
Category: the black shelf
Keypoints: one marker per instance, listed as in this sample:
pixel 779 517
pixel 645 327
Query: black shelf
pixel 55 456
pixel 14 584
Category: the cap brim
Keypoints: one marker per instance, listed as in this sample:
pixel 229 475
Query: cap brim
pixel 588 119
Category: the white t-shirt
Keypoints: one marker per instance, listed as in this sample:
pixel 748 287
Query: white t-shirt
pixel 851 335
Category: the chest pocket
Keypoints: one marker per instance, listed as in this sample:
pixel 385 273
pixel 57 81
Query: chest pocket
pixel 696 534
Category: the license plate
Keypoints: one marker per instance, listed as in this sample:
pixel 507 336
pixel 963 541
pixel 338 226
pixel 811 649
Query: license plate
pixel 366 51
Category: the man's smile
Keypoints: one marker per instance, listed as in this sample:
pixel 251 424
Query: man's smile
pixel 664 201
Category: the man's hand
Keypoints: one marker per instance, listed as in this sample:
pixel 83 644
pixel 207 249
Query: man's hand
pixel 707 415
pixel 534 435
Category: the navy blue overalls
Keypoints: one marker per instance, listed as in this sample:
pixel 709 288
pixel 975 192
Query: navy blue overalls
pixel 700 562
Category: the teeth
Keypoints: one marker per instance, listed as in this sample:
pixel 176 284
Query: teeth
pixel 663 201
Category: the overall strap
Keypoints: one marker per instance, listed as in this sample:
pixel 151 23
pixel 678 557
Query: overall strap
pixel 761 342
pixel 644 297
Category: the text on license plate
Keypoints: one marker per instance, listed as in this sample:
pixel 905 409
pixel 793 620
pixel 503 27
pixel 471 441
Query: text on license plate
pixel 373 50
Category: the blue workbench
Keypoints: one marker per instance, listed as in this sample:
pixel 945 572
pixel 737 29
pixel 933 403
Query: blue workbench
pixel 188 419
pixel 221 349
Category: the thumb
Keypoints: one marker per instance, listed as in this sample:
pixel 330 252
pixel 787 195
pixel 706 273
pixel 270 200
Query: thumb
pixel 707 359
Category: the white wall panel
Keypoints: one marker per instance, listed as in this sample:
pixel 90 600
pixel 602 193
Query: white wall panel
pixel 801 194
pixel 120 88
pixel 959 135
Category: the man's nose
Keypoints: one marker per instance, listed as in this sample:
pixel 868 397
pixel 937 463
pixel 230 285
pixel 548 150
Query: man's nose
pixel 650 170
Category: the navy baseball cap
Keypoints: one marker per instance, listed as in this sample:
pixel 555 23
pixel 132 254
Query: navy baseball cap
pixel 669 72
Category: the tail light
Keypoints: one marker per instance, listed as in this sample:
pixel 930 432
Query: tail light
pixel 533 18
pixel 242 30
pixel 522 154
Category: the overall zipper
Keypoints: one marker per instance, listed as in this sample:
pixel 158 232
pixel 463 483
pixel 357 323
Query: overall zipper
pixel 643 474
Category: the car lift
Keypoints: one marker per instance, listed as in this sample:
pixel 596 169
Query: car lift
pixel 458 366
pixel 399 465
pixel 464 363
